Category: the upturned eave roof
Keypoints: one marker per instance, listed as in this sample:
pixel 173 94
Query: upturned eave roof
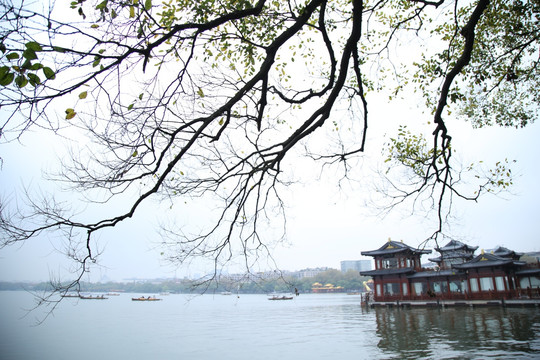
pixel 488 260
pixel 454 245
pixel 394 247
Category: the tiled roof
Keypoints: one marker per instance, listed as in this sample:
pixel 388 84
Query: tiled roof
pixel 484 260
pixel 504 252
pixel 528 272
pixel 394 247
pixel 456 245
pixel 456 255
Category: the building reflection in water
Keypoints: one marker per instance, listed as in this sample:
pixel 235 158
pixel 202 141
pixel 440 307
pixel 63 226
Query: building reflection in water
pixel 458 332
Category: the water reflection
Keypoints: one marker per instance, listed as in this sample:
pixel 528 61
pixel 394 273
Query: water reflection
pixel 463 333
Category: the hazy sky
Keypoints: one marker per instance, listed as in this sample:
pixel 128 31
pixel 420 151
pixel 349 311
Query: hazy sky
pixel 325 224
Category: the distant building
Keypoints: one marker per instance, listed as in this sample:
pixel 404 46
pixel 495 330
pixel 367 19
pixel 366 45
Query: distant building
pixel 356 265
pixel 309 273
pixel 327 288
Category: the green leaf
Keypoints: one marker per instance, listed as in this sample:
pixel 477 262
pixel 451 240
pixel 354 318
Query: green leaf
pixel 130 106
pixel 36 66
pixel 83 95
pixel 34 79
pixel 29 54
pixel 102 5
pixel 135 153
pixel 148 5
pixel 27 65
pixel 4 70
pixel 21 81
pixel 131 11
pixel 200 92
pixel 49 73
pixel 34 46
pixel 97 60
pixel 12 56
pixel 3 48
pixel 6 78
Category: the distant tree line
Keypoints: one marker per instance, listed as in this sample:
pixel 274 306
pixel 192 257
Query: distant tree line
pixel 349 281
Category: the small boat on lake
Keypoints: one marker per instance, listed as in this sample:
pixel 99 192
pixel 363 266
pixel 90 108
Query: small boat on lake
pixel 73 295
pixel 282 297
pixel 142 298
pixel 92 297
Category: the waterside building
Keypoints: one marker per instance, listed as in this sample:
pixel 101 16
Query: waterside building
pixel 460 276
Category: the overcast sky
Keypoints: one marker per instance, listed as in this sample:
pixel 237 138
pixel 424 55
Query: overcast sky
pixel 326 224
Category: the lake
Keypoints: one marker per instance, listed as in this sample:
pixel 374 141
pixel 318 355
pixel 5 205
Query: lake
pixel 311 326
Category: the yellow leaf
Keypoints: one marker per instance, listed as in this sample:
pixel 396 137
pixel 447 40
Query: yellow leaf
pixel 131 11
pixel 70 114
pixel 83 95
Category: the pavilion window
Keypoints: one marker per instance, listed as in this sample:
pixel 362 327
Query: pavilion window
pixel 378 289
pixel 405 289
pixel 486 284
pixel 390 263
pixel 391 289
pixel 474 285
pixel 420 288
pixel 530 281
pixel 465 286
pixel 456 286
pixel 439 287
pixel 499 282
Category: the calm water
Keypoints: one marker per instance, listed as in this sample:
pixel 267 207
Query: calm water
pixel 251 327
